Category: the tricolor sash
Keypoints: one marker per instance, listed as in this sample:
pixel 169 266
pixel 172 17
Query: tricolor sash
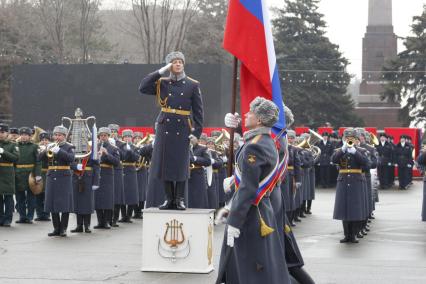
pixel 268 183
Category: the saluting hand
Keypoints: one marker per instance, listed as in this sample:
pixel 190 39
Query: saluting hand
pixel 165 69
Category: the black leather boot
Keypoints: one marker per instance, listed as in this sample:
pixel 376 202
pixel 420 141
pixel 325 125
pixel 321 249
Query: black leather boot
pixel 169 203
pixel 107 219
pixel 100 216
pixel 55 221
pixel 86 221
pixel 180 195
pixel 64 224
pixel 345 232
pixel 79 228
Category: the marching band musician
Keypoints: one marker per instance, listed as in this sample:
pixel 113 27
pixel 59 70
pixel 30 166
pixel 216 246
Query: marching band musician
pixel 131 191
pixel 293 180
pixel 86 178
pixel 109 158
pixel 197 185
pixel 421 161
pixel 118 176
pixel 216 164
pixel 58 199
pixel 404 161
pixel 181 116
pixel 44 138
pixel 349 186
pixel 142 174
pixel 13 134
pixel 9 154
pixel 28 163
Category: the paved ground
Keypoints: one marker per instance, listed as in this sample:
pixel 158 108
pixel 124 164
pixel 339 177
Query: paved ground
pixel 393 252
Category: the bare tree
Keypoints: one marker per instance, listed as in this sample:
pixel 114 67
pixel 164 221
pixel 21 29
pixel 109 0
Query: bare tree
pixel 88 26
pixel 161 25
pixel 52 16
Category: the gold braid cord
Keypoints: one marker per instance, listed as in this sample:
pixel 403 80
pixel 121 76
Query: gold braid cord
pixel 161 102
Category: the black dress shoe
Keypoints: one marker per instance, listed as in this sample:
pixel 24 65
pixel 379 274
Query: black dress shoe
pixel 5 225
pixel 114 224
pixel 87 230
pixel 20 221
pixel 308 212
pixel 344 240
pixel 138 216
pixel 54 233
pixel 302 216
pixel 98 226
pixel 367 229
pixel 167 205
pixel 359 236
pixel 106 226
pixel 293 224
pixel 364 232
pixel 353 240
pixel 297 220
pixel 79 229
pixel 180 205
pixel 63 234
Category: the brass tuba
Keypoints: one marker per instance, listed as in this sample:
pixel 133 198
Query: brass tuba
pixel 373 139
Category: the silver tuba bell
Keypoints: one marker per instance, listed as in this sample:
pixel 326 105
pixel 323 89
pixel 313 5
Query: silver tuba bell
pixel 79 134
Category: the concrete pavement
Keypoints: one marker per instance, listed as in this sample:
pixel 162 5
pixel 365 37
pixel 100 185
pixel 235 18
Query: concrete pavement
pixel 393 252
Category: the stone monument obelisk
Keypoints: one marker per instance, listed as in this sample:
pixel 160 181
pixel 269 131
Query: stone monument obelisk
pixel 378 46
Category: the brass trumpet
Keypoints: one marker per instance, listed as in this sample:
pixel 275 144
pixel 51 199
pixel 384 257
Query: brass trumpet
pixel 49 149
pixel 350 141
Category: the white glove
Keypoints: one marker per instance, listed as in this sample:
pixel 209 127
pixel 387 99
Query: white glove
pixel 38 179
pixel 195 158
pixel 389 164
pixel 232 120
pixel 79 167
pixel 221 216
pixel 396 165
pixel 298 185
pixel 111 141
pixel 212 161
pixel 409 165
pixel 95 187
pixel 56 149
pixel 352 150
pixel 225 159
pixel 233 233
pixel 344 147
pixel 165 69
pixel 227 184
pixel 128 147
pixel 1 150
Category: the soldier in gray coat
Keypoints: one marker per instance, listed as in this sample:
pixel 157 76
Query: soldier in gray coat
pixel 257 254
pixel 181 116
pixel 85 182
pixel 197 183
pixel 293 179
pixel 58 196
pixel 421 161
pixel 349 204
pixel 109 158
pixel 131 191
pixel 118 176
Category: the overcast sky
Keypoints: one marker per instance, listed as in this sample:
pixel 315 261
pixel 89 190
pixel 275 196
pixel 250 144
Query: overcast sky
pixel 347 21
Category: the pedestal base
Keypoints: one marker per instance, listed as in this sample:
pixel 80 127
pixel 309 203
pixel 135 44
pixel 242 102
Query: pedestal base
pixel 177 241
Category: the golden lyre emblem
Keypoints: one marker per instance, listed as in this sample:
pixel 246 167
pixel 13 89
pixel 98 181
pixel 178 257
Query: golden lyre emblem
pixel 174 244
pixel 174 236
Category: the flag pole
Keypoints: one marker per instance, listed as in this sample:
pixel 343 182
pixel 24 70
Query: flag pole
pixel 233 110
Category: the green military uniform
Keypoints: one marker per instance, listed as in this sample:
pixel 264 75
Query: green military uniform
pixel 28 162
pixel 9 155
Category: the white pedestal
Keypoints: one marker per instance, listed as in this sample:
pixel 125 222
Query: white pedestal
pixel 187 245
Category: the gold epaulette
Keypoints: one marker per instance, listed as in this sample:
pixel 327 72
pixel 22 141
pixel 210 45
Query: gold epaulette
pixel 160 102
pixel 193 80
pixel 256 139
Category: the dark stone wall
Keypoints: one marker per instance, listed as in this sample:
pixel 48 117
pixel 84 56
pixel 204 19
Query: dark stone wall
pixel 42 94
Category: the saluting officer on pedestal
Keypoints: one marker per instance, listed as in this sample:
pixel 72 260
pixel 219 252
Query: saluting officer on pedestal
pixel 181 115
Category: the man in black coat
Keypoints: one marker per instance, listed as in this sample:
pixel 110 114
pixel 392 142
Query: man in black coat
pixel 404 161
pixel 181 116
pixel 385 163
pixel 324 163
